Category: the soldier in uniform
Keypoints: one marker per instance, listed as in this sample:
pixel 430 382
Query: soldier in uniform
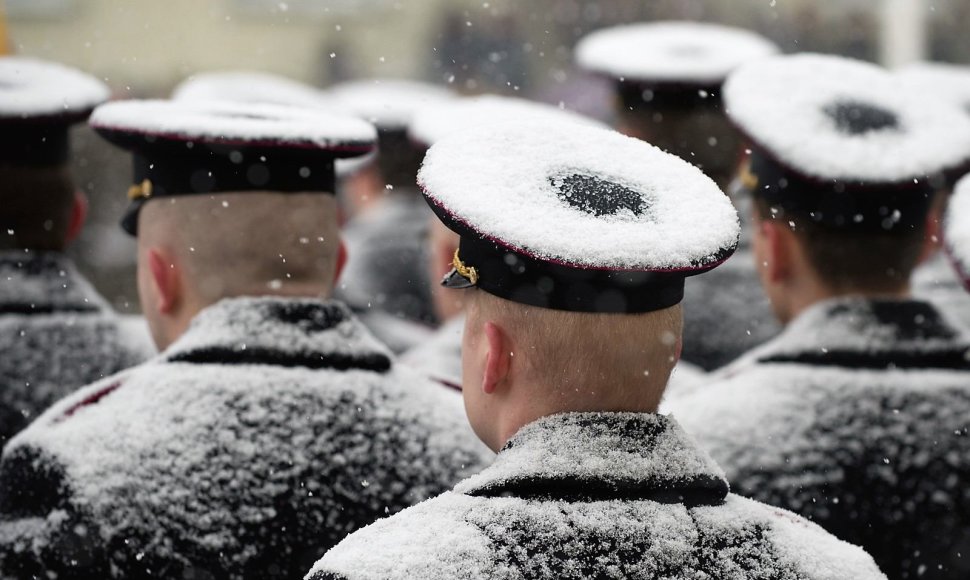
pixel 385 279
pixel 934 280
pixel 856 415
pixel 56 332
pixel 272 423
pixel 668 78
pixel 575 243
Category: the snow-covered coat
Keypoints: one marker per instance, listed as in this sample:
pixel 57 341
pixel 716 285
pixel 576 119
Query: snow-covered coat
pixel 858 417
pixel 594 495
pixel 56 335
pixel 726 313
pixel 267 432
pixel 439 357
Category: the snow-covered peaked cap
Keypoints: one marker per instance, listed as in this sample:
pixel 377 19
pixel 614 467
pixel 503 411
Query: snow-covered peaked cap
pixel 390 104
pixel 187 148
pixel 950 82
pixel 676 54
pixel 843 141
pixel 461 115
pixel 39 101
pixel 573 217
pixel 956 230
pixel 250 87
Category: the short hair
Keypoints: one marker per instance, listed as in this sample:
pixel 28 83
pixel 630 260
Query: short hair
pixel 35 207
pixel 701 135
pixel 244 244
pixel 619 356
pixel 853 261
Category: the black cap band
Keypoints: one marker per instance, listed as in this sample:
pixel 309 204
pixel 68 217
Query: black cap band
pixel 176 169
pixel 841 205
pixel 668 96
pixel 514 276
pixel 34 145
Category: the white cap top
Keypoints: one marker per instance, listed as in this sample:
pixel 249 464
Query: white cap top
pixel 388 103
pixel 950 82
pixel 834 118
pixel 225 122
pixel 956 229
pixel 34 88
pixel 689 53
pixel 581 196
pixel 461 115
pixel 249 87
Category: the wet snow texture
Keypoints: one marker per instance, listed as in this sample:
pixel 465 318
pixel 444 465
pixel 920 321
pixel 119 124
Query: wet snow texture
pixel 676 52
pixel 439 357
pixel 686 220
pixel 387 266
pixel 56 335
pixel 785 105
pixel 938 80
pixel 250 87
pixel 956 229
pixel 937 281
pixel 726 313
pixel 553 506
pixel 876 455
pixel 253 469
pixel 233 121
pixel 33 88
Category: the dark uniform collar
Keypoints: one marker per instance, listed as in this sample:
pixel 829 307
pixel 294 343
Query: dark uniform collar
pixel 33 283
pixel 865 333
pixel 291 332
pixel 602 456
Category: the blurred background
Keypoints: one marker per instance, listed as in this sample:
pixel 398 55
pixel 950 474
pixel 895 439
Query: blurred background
pixel 143 48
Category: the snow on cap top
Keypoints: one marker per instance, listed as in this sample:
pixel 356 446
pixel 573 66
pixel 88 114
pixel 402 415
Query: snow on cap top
pixel 388 103
pixel 235 124
pixel 581 196
pixel 681 53
pixel 461 115
pixel 834 118
pixel 950 82
pixel 250 87
pixel 32 89
pixel 956 229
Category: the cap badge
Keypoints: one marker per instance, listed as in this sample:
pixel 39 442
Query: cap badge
pixel 748 179
pixel 467 272
pixel 141 190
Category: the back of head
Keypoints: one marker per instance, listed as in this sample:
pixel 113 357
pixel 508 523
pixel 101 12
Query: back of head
pixel 245 244
pixel 36 204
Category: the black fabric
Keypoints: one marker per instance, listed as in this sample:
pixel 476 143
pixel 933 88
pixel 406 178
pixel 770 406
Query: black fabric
pixel 843 204
pixel 27 308
pixel 657 96
pixel 185 168
pixel 262 356
pixel 34 144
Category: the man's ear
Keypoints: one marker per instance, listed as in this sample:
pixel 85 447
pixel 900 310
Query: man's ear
pixel 933 238
pixel 778 240
pixel 166 279
pixel 341 259
pixel 79 215
pixel 498 360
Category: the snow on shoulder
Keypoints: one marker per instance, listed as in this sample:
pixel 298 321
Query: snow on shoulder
pixel 580 196
pixel 32 88
pixel 431 125
pixel 956 229
pixel 833 118
pixel 234 123
pixel 249 87
pixel 671 52
pixel 389 103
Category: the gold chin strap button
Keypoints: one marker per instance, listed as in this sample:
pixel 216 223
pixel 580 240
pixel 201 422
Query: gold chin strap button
pixel 468 272
pixel 141 190
pixel 748 179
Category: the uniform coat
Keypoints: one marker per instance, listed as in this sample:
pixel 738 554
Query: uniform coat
pixel 594 495
pixel 936 281
pixel 855 417
pixel 56 335
pixel 267 432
